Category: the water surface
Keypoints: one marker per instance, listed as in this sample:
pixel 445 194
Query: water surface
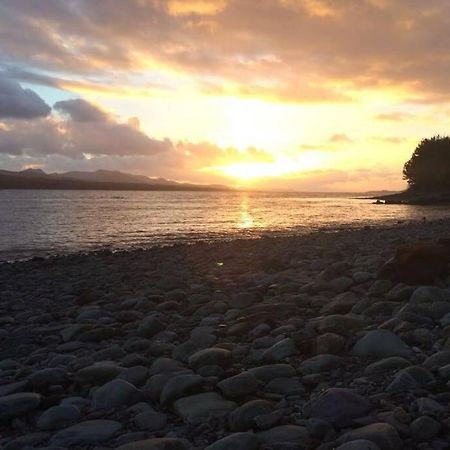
pixel 45 222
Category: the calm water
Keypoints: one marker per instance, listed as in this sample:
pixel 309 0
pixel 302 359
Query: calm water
pixel 40 223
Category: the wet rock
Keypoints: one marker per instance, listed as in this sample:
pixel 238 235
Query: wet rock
pixel 58 417
pixel 210 356
pixel 243 418
pixel 385 436
pixel 236 441
pixel 437 360
pixel 200 408
pixel 386 365
pixel 338 406
pixel 16 405
pixel 86 433
pixel 378 344
pixel 238 386
pixel 114 394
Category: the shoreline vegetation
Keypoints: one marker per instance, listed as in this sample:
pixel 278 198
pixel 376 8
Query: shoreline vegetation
pixel 285 342
pixel 415 197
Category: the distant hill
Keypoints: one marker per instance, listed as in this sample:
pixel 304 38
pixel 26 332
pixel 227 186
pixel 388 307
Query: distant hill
pixel 98 180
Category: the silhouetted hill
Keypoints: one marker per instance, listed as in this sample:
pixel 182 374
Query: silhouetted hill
pixel 99 180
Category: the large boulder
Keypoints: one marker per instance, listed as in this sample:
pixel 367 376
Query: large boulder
pixel 114 394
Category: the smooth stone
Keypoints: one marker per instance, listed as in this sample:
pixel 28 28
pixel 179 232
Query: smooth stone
pixel 285 434
pixel 242 418
pixel 16 405
pixel 210 357
pixel 389 364
pixel 279 351
pixel 97 374
pixel 239 385
pixel 200 408
pixel 242 300
pixel 48 377
pixel 339 406
pixel 320 363
pixel 272 371
pixel 344 325
pixel 181 386
pixel 359 444
pixel 114 394
pixel 329 343
pixel 151 421
pixel 437 360
pixel 136 375
pixel 378 344
pixel 157 444
pixel 150 326
pixel 428 294
pixel 385 436
pixel 86 433
pixel 58 417
pixel 424 428
pixel 410 378
pixel 11 388
pixel 285 386
pixel 236 441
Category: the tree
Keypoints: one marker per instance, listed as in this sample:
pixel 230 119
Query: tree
pixel 429 166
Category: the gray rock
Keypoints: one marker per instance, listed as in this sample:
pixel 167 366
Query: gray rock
pixel 114 394
pixel 243 300
pixel 285 386
pixel 97 374
pixel 200 408
pixel 284 435
pixel 58 417
pixel 86 433
pixel 47 377
pixel 410 378
pixel 344 325
pixel 236 441
pixel 238 386
pixel 157 444
pixel 424 428
pixel 242 418
pixel 378 344
pixel 385 436
pixel 279 351
pixel 136 375
pixel 385 365
pixel 210 357
pixel 359 444
pixel 151 421
pixel 429 294
pixel 272 371
pixel 437 360
pixel 338 406
pixel 150 326
pixel 181 386
pixel 16 405
pixel 321 363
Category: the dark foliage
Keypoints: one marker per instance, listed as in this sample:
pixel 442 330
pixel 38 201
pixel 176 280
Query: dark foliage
pixel 429 166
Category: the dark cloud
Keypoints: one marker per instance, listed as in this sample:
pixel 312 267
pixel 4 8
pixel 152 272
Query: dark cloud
pixel 80 110
pixel 19 103
pixel 87 130
pixel 287 50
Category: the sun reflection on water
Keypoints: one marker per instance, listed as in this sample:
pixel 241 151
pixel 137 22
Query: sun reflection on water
pixel 245 221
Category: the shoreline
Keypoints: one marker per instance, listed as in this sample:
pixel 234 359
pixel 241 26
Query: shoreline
pixel 276 342
pixel 207 240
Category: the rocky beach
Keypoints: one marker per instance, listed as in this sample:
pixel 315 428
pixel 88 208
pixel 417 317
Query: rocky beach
pixel 270 344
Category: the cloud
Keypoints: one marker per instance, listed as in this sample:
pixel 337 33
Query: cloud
pixel 339 138
pixel 86 130
pixel 19 103
pixel 80 110
pixel 284 50
pixel 394 117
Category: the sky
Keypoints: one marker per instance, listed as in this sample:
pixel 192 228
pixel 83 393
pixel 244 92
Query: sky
pixel 309 95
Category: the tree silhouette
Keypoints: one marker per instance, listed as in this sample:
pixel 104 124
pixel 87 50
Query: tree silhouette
pixel 429 165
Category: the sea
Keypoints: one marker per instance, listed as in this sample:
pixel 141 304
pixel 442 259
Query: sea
pixel 42 223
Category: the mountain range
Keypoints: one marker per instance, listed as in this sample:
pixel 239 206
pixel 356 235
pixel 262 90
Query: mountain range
pixel 98 180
